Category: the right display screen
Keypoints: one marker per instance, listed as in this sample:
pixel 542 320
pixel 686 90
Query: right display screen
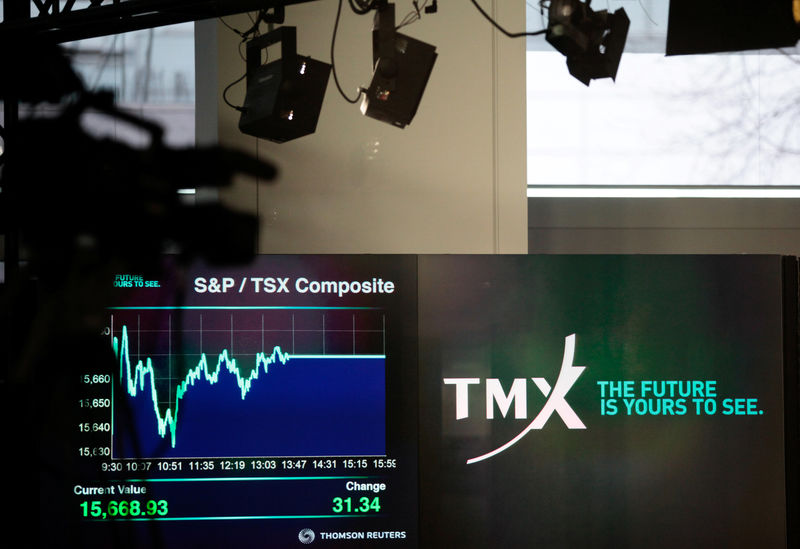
pixel 602 401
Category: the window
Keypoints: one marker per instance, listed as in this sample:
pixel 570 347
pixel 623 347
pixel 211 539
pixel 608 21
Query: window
pixel 701 125
pixel 152 75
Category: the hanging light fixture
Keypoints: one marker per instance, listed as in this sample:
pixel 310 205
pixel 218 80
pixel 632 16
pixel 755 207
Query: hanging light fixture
pixel 284 97
pixel 401 68
pixel 592 41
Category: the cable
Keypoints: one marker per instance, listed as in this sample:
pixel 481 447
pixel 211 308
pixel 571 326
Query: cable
pixel 225 93
pixel 244 35
pixel 333 65
pixel 237 31
pixel 414 15
pixel 501 29
pixel 254 28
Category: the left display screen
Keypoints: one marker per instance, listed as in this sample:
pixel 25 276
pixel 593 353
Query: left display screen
pixel 260 406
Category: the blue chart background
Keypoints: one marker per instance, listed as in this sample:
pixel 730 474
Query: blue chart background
pixel 306 407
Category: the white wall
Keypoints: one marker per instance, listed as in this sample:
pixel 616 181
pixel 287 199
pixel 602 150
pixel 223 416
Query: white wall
pixel 451 182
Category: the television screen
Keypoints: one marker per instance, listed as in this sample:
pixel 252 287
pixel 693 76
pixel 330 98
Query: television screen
pixel 603 401
pixel 427 401
pixel 267 406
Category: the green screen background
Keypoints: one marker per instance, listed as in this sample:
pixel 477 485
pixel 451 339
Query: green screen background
pixel 624 481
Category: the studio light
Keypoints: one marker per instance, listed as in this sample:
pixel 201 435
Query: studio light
pixel 592 41
pixel 715 26
pixel 284 97
pixel 401 68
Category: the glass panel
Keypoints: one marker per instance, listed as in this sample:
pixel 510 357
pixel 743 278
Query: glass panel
pixel 721 120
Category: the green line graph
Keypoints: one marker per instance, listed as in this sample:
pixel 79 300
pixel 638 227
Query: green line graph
pixel 223 359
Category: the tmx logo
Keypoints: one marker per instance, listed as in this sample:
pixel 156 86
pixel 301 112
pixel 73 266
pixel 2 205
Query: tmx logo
pixel 556 401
